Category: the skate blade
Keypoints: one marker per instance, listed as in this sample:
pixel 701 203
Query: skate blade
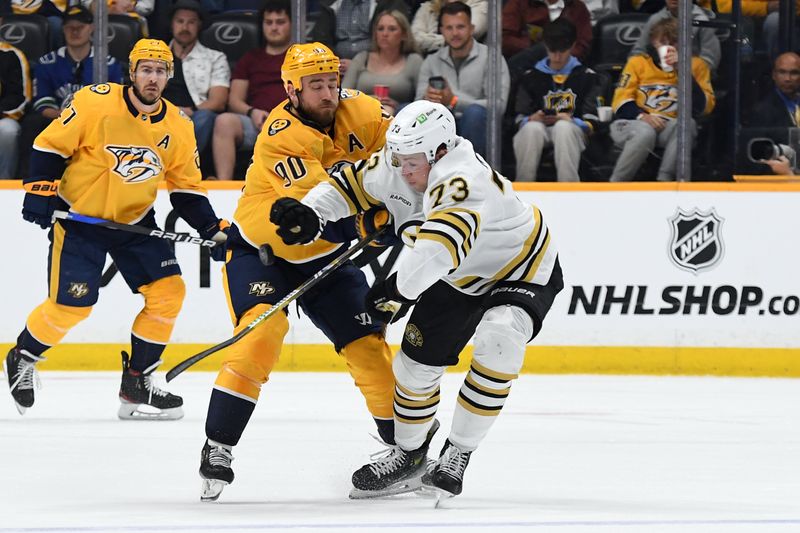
pixel 401 487
pixel 211 490
pixel 434 493
pixel 140 411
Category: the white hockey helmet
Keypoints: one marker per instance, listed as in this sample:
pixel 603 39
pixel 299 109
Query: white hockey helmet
pixel 421 127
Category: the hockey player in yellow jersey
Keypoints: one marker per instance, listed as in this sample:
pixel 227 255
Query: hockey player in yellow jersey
pixel 111 147
pixel 481 262
pixel 320 127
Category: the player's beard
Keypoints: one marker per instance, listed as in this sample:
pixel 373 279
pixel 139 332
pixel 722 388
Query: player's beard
pixel 143 99
pixel 323 117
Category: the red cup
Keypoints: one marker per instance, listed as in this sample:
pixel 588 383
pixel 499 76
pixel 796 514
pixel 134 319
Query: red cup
pixel 381 91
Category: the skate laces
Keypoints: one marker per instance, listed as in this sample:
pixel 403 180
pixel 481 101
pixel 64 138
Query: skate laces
pixel 27 376
pixel 152 388
pixel 453 462
pixel 219 456
pixel 387 461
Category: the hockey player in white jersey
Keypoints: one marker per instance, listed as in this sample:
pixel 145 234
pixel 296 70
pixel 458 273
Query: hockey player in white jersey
pixel 483 263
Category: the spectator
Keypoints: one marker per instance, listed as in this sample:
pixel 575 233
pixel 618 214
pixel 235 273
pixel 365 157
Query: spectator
pixel 768 11
pixel 555 105
pixel 705 43
pixel 59 75
pixel 646 104
pixel 345 25
pixel 15 93
pixel 599 9
pixel 463 65
pixel 256 88
pixel 138 9
pixel 202 76
pixel 524 20
pixel 781 107
pixel 425 26
pixel 53 10
pixel 392 63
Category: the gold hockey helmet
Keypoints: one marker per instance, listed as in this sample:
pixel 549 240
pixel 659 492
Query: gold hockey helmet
pixel 152 49
pixel 306 59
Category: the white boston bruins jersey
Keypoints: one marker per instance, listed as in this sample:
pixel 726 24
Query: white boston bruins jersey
pixel 468 228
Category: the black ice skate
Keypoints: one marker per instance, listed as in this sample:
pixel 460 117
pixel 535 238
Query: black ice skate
pixel 142 399
pixel 446 478
pixel 215 469
pixel 20 369
pixel 392 471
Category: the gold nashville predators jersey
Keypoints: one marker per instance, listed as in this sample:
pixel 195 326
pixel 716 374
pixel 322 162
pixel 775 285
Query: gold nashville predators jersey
pixel 656 91
pixel 292 155
pixel 468 228
pixel 117 156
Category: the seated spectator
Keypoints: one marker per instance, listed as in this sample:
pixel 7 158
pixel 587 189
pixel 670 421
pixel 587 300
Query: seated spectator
pixel 705 43
pixel 601 8
pixel 344 26
pixel 54 10
pixel 781 107
pixel 646 104
pixel 138 9
pixel 425 26
pixel 392 65
pixel 256 88
pixel 15 93
pixel 766 10
pixel 524 20
pixel 60 74
pixel 456 75
pixel 556 104
pixel 202 75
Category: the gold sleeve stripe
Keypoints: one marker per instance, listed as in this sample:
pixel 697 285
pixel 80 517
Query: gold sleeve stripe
pixel 491 375
pixel 442 238
pixel 477 409
pixel 348 184
pixel 533 266
pixel 355 178
pixel 480 389
pixel 527 248
pixel 467 282
pixel 466 240
pixel 351 206
pixel 360 171
pixel 410 395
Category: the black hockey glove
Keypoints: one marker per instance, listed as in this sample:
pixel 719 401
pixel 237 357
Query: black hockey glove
pixel 385 303
pixel 374 219
pixel 297 223
pixel 217 232
pixel 40 202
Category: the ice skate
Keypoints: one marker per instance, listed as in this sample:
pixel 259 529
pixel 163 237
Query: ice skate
pixel 142 399
pixel 392 471
pixel 215 469
pixel 20 369
pixel 446 478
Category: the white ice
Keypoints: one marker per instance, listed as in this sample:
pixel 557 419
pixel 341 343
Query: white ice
pixel 568 454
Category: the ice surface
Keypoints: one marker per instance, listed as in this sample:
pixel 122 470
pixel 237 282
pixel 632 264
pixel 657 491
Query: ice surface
pixel 568 454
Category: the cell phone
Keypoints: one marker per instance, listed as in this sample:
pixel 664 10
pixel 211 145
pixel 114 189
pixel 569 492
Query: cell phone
pixel 437 82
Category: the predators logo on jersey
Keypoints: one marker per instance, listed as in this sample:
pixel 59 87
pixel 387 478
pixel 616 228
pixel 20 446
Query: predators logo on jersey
pixel 560 101
pixel 660 99
pixel 136 163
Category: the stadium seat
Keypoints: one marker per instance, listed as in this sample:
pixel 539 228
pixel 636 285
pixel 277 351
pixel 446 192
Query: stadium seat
pixel 123 32
pixel 614 36
pixel 29 33
pixel 233 34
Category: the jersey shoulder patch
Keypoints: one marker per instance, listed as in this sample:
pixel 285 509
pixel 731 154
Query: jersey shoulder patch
pixel 277 125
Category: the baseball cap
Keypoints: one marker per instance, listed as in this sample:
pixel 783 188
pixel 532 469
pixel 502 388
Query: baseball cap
pixel 191 5
pixel 79 13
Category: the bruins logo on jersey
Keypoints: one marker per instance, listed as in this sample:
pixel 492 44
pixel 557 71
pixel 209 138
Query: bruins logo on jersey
pixel 662 99
pixel 560 101
pixel 278 125
pixel 136 163
pixel 414 335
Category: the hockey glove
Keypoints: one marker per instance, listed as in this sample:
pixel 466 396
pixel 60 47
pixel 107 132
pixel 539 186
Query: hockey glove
pixel 373 220
pixel 217 232
pixel 40 202
pixel 385 303
pixel 297 223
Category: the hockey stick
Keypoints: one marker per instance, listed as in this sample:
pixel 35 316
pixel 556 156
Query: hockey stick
pixel 282 303
pixel 132 228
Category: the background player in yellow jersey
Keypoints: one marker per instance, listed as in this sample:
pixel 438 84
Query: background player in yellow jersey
pixel 111 146
pixel 319 127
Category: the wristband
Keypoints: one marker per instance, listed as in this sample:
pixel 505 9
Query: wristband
pixel 250 112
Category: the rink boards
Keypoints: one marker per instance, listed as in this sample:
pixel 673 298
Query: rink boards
pixel 659 279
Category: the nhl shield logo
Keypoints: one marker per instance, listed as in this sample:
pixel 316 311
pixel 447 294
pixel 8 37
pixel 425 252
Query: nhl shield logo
pixel 695 242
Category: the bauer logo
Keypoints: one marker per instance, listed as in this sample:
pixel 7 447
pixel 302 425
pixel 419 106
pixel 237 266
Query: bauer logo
pixel 695 242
